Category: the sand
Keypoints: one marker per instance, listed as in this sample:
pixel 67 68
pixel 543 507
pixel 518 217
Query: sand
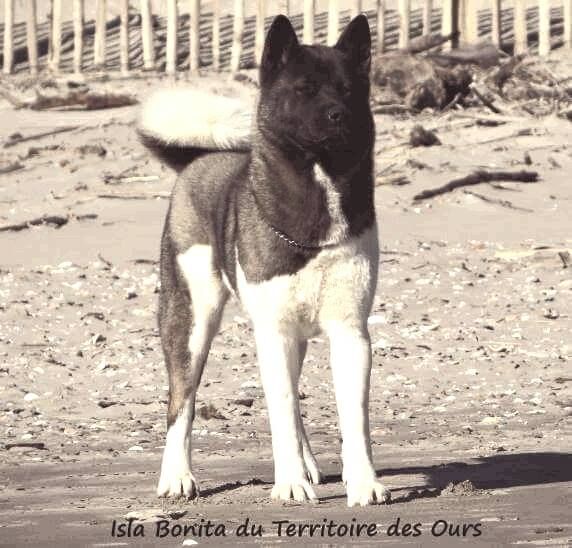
pixel 470 326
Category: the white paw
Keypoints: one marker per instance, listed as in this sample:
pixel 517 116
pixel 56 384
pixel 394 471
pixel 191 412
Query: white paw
pixel 299 490
pixel 365 492
pixel 177 483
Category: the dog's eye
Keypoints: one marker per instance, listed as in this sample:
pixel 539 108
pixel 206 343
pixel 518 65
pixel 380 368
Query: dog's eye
pixel 307 89
pixel 346 92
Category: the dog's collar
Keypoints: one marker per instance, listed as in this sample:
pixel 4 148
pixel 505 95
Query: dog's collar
pixel 293 243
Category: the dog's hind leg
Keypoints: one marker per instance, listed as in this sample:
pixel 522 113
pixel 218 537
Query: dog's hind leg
pixel 191 304
pixel 313 471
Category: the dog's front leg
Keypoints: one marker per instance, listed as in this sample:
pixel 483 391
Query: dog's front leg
pixel 351 366
pixel 278 356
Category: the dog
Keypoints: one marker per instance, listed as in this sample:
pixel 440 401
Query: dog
pixel 278 209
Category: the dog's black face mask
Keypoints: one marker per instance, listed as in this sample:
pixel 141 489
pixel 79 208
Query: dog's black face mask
pixel 316 98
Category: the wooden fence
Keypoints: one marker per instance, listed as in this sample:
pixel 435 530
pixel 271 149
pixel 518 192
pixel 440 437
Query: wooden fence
pixel 137 39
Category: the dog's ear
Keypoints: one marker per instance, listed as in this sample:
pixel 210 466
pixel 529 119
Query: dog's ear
pixel 356 42
pixel 280 42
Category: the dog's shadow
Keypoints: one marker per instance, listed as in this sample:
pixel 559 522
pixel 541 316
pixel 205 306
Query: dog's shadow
pixel 486 473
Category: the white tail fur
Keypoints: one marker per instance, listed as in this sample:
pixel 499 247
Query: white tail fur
pixel 183 117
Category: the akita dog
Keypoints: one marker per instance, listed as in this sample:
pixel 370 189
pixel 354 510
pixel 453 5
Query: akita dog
pixel 276 208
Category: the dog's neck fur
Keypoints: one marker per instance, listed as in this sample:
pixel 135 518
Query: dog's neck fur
pixel 314 201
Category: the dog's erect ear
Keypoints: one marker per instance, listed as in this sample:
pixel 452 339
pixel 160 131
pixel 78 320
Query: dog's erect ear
pixel 281 40
pixel 356 42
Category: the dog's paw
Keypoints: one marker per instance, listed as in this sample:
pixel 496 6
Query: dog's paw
pixel 365 492
pixel 299 490
pixel 177 483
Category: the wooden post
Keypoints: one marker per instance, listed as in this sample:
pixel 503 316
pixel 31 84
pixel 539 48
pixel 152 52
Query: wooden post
pixel 427 16
pixel 496 29
pixel 259 33
pixel 333 21
pixel 56 35
pixel 124 37
pixel 568 24
pixel 216 35
pixel 520 30
pixel 171 53
pixel 380 25
pixel 355 8
pixel 237 31
pixel 469 21
pixel 99 40
pixel 404 7
pixel 32 36
pixel 450 21
pixel 194 36
pixel 147 35
pixel 8 36
pixel 543 27
pixel 77 35
pixel 309 13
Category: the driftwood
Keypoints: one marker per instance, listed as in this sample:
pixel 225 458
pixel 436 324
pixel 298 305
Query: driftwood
pixel 416 82
pixel 16 139
pixel 503 203
pixel 484 55
pixel 56 221
pixel 427 42
pixel 89 100
pixel 482 97
pixel 11 167
pixel 477 177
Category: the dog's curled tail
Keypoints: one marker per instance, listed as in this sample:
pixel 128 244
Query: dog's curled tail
pixel 179 124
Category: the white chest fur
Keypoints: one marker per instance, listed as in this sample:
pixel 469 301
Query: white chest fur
pixel 337 285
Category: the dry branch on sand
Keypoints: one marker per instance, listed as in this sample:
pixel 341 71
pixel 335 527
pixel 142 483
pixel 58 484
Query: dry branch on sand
pixel 81 97
pixel 56 221
pixel 477 177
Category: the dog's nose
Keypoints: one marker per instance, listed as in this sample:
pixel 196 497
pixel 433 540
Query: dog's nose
pixel 335 115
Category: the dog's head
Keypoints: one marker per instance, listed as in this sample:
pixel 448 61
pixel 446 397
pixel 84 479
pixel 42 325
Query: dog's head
pixel 316 98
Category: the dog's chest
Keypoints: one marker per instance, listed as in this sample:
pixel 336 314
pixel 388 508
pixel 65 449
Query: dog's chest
pixel 341 278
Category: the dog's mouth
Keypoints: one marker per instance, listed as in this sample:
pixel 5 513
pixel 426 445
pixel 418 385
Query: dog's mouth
pixel 329 140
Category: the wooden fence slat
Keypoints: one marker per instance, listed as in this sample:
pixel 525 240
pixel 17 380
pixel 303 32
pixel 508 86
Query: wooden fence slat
pixel 520 30
pixel 427 16
pixel 543 27
pixel 238 32
pixel 469 21
pixel 56 31
pixel 309 14
pixel 99 40
pixel 259 32
pixel 32 36
pixel 380 25
pixel 333 21
pixel 568 24
pixel 194 36
pixel 147 35
pixel 450 21
pixel 355 8
pixel 171 53
pixel 78 16
pixel 8 36
pixel 124 37
pixel 496 29
pixel 404 7
pixel 216 35
pixel 284 7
